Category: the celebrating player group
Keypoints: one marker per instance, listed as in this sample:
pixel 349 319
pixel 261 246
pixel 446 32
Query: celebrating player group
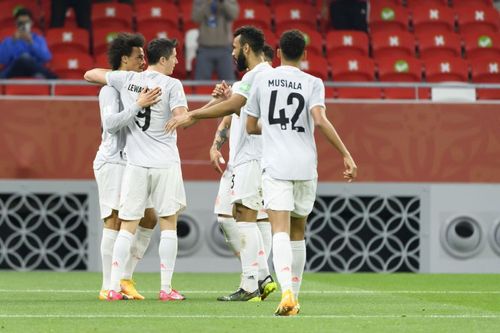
pixel 267 189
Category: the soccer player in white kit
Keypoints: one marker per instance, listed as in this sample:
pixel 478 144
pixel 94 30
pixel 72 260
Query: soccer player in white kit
pixel 125 53
pixel 153 163
pixel 228 131
pixel 246 193
pixel 290 104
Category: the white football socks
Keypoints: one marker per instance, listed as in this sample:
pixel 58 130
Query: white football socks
pixel 262 259
pixel 267 236
pixel 298 264
pixel 249 236
pixel 282 259
pixel 168 254
pixel 139 247
pixel 107 243
pixel 121 252
pixel 231 232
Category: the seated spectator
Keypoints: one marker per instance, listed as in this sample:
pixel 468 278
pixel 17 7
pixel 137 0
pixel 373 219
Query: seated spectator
pixel 25 53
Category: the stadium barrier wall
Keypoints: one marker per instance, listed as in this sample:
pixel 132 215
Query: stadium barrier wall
pixel 366 227
pixel 49 212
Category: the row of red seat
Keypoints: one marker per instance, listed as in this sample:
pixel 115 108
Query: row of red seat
pixel 384 14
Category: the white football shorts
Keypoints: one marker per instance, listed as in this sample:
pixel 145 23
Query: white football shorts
pixel 109 183
pixel 246 185
pixel 295 196
pixel 223 205
pixel 164 186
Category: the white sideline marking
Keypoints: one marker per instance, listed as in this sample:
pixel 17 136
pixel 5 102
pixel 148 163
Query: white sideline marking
pixel 333 292
pixel 392 316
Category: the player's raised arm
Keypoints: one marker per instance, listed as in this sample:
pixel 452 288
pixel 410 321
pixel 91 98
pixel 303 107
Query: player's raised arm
pixel 325 126
pixel 230 106
pixel 96 75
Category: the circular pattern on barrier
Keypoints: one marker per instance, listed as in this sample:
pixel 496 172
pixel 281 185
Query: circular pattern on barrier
pixel 188 235
pixel 43 231
pixel 462 237
pixel 364 234
pixel 494 237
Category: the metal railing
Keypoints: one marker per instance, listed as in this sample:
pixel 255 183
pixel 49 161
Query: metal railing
pixel 416 86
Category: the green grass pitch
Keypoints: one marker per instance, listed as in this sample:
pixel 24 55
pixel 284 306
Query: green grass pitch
pixel 67 302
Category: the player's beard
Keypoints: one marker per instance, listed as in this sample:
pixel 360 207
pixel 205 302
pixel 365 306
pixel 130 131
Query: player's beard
pixel 241 62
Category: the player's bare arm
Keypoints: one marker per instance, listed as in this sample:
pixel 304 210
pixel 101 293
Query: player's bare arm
pixel 221 137
pixel 230 106
pixel 325 126
pixel 96 75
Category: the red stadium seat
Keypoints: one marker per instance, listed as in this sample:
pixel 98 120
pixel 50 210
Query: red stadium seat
pixel 294 16
pixel 396 43
pixel 444 44
pixel 388 18
pixel 255 14
pixel 346 43
pixel 475 3
pixel 354 69
pixel 186 8
pixel 152 32
pixel 315 65
pixel 474 19
pixel 400 69
pixel 427 18
pixel 153 14
pixel 113 16
pixel 482 45
pixel 314 40
pixel 71 66
pixel 70 90
pixel 9 7
pixel 11 89
pixel 446 70
pixel 413 4
pixel 486 71
pixel 102 37
pixel 101 61
pixel 68 40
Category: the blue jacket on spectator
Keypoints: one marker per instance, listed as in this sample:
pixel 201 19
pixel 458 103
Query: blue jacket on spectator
pixel 11 49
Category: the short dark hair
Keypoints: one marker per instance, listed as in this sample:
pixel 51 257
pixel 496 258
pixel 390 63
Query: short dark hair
pixel 160 47
pixel 23 11
pixel 292 44
pixel 268 52
pixel 252 36
pixel 122 45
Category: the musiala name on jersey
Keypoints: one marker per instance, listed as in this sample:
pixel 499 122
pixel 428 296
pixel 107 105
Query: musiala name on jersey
pixel 284 84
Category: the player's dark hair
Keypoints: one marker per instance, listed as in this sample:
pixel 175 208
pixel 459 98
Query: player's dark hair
pixel 252 36
pixel 268 52
pixel 160 47
pixel 292 44
pixel 122 45
pixel 23 11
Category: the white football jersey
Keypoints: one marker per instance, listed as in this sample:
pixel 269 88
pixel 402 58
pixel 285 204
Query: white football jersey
pixel 282 98
pixel 114 121
pixel 234 131
pixel 249 147
pixel 148 145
